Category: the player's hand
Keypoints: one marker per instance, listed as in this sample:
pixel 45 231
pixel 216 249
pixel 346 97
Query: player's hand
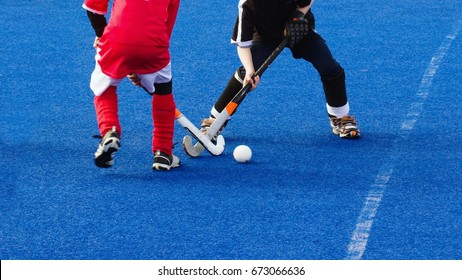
pixel 96 42
pixel 135 79
pixel 253 81
pixel 296 28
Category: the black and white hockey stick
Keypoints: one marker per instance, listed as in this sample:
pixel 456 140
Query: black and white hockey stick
pixel 195 150
pixel 203 140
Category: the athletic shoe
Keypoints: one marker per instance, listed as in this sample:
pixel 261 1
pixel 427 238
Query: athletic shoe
pixel 206 123
pixel 162 161
pixel 345 127
pixel 110 143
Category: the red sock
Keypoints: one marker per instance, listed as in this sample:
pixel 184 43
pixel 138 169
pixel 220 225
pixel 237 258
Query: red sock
pixel 163 116
pixel 107 111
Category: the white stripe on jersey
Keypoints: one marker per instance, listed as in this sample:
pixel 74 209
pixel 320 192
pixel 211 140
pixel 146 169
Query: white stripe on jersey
pixel 238 41
pixel 239 30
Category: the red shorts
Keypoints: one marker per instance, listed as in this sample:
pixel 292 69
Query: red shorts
pixel 117 60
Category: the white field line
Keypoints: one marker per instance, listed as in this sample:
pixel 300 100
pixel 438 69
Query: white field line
pixel 360 236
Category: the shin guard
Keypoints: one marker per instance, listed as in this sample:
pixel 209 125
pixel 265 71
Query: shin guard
pixel 106 107
pixel 233 87
pixel 163 116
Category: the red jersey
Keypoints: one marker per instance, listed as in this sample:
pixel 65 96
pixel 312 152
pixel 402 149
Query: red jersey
pixel 137 36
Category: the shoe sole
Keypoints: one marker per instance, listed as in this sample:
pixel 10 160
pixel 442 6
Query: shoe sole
pixel 164 167
pixel 352 134
pixel 161 167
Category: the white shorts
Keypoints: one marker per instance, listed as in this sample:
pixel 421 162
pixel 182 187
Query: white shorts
pixel 100 82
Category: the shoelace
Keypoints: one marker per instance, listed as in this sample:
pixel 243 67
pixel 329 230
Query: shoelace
pixel 347 120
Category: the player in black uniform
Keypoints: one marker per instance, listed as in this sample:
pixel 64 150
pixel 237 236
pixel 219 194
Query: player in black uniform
pixel 259 28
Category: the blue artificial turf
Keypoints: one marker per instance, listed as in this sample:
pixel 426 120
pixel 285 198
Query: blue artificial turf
pixel 301 195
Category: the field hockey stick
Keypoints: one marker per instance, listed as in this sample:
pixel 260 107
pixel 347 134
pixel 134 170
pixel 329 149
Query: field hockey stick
pixel 214 149
pixel 195 150
pixel 205 142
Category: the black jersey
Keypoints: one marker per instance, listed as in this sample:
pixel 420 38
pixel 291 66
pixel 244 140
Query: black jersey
pixel 267 18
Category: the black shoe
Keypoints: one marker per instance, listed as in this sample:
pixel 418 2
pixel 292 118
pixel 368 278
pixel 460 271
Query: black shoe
pixel 162 161
pixel 106 149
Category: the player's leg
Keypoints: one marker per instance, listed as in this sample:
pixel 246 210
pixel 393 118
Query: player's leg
pixel 231 89
pixel 163 117
pixel 260 51
pixel 106 108
pixel 109 126
pixel 315 50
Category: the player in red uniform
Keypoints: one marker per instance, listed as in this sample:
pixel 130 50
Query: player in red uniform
pixel 135 41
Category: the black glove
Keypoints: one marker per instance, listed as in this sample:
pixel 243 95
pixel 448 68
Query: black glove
pixel 296 28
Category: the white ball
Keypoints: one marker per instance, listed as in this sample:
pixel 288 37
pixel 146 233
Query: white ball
pixel 242 153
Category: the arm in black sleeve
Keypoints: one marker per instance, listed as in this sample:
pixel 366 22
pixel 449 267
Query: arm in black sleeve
pixel 98 22
pixel 303 3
